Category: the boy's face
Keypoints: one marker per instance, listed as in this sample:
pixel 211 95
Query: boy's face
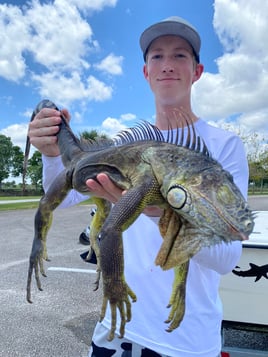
pixel 171 68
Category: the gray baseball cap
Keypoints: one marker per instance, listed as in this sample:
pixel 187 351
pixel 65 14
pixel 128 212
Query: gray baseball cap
pixel 171 26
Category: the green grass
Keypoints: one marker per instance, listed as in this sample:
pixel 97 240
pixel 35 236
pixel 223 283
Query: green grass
pixel 16 198
pixel 24 205
pixel 18 205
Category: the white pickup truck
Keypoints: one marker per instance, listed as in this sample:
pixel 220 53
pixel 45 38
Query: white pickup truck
pixel 244 294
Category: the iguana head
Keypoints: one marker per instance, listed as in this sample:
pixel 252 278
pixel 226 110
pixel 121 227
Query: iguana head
pixel 210 200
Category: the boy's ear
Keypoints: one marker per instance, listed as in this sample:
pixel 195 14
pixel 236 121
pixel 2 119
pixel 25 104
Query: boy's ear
pixel 198 72
pixel 145 71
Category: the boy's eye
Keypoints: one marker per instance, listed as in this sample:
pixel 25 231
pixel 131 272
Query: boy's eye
pixel 157 56
pixel 180 55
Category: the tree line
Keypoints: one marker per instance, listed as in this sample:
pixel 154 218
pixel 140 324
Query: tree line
pixel 12 158
pixel 11 164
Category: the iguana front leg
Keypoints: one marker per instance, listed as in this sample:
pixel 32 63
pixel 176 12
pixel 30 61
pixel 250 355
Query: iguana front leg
pixel 115 289
pixel 43 218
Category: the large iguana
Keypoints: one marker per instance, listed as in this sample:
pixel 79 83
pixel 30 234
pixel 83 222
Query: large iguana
pixel 201 205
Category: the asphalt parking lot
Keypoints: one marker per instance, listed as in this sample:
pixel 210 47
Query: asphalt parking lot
pixel 61 319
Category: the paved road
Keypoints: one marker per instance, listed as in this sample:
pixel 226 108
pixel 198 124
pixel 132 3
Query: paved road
pixel 258 203
pixel 59 323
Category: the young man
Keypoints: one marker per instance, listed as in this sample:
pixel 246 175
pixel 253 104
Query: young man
pixel 171 53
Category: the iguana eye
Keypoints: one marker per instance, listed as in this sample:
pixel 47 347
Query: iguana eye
pixel 176 196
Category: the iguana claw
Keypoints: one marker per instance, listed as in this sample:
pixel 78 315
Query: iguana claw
pixel 120 301
pixel 36 265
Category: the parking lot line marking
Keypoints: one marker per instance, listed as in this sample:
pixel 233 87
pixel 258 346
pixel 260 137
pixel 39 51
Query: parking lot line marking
pixel 73 270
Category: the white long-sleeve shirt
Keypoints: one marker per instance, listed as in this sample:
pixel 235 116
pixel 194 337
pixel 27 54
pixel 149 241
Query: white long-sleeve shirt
pixel 199 332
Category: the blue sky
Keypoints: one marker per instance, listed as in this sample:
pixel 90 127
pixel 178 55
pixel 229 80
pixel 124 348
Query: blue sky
pixel 85 56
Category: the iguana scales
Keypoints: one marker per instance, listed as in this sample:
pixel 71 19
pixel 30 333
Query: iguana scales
pixel 201 205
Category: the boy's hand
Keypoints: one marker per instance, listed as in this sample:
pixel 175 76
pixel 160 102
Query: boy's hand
pixel 43 129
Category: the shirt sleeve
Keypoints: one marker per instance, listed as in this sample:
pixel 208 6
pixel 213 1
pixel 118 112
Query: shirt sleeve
pixel 52 166
pixel 233 159
pixel 221 257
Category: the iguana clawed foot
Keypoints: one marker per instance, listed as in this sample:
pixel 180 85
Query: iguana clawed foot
pixel 36 265
pixel 177 298
pixel 117 293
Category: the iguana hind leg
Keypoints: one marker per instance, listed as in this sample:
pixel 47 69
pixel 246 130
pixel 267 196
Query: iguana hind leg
pixel 103 210
pixel 39 252
pixel 43 219
pixel 177 298
pixel 175 253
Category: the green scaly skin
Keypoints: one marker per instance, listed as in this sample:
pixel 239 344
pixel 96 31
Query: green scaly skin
pixel 201 207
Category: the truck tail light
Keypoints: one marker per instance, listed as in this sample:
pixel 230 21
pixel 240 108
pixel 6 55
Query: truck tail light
pixel 225 354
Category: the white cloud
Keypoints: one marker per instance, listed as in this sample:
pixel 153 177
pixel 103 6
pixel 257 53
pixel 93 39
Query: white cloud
pixel 97 90
pixel 13 38
pixel 240 86
pixel 128 117
pixel 111 126
pixel 255 121
pixel 111 64
pixel 64 40
pixel 17 133
pixel 241 25
pixel 41 39
pixel 96 5
pixel 66 89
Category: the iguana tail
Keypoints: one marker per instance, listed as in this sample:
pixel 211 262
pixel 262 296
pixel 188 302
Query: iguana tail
pixel 69 144
pixel 26 157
